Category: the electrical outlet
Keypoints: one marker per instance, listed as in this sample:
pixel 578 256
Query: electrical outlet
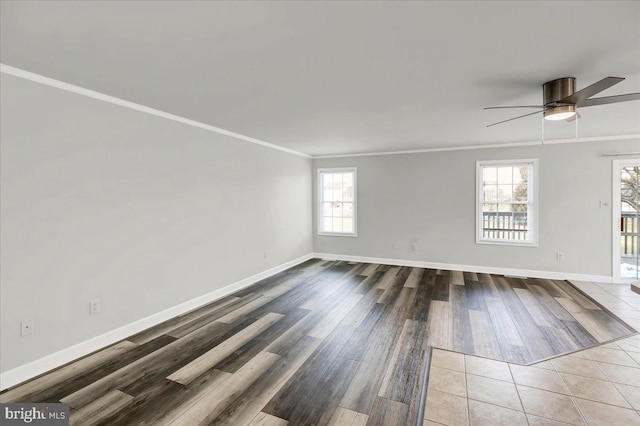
pixel 266 254
pixel 414 246
pixel 394 245
pixel 95 306
pixel 604 204
pixel 27 326
pixel 560 257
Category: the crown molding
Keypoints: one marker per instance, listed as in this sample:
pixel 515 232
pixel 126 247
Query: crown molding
pixel 37 78
pixel 485 146
pixel 27 75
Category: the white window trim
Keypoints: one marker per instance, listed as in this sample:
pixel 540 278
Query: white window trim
pixel 616 209
pixel 355 200
pixel 532 193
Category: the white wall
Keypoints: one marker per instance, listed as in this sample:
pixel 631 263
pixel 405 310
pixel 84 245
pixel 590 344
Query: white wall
pixel 99 201
pixel 429 199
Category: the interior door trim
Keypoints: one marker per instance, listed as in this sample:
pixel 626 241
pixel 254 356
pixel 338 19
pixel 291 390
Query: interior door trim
pixel 616 214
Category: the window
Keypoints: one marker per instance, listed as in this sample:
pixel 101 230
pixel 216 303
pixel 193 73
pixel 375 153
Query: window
pixel 337 201
pixel 506 208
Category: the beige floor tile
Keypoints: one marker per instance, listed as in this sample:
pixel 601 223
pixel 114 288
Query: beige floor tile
pixel 612 303
pixel 430 423
pixel 620 373
pixel 449 381
pixel 631 394
pixel 627 313
pixel 482 414
pixel 549 405
pixel 629 345
pixel 544 364
pixel 595 390
pixel 635 356
pixel 633 322
pixel 632 299
pixel 538 378
pixel 493 391
pixel 580 354
pixel 578 366
pixel 603 296
pixel 447 359
pixel 612 356
pixel 541 421
pixel 611 345
pixel 603 414
pixel 487 368
pixel 608 300
pixel 623 289
pixel 447 409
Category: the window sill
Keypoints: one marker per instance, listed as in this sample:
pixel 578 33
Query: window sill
pixel 336 234
pixel 507 243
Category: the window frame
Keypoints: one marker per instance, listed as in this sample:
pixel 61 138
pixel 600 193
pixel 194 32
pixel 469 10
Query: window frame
pixel 532 202
pixel 320 200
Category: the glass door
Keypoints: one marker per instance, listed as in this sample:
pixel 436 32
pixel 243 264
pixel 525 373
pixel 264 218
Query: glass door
pixel 629 219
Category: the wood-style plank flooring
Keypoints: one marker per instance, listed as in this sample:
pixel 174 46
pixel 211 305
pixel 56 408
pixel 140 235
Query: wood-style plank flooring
pixel 322 343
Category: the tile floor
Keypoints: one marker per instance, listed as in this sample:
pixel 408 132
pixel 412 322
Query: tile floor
pixel 597 386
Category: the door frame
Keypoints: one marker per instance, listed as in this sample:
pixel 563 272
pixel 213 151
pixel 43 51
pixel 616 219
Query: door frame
pixel 615 219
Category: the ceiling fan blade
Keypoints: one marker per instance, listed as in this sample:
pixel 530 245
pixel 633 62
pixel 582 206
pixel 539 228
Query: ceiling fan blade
pixel 611 99
pixel 519 106
pixel 520 116
pixel 575 117
pixel 582 95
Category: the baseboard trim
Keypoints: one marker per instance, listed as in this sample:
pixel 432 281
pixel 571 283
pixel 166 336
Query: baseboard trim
pixel 472 268
pixel 35 368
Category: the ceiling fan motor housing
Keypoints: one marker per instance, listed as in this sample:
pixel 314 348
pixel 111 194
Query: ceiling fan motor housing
pixel 555 90
pixel 561 99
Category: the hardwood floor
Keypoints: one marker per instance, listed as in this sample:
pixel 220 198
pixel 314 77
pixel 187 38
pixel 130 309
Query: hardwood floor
pixel 321 343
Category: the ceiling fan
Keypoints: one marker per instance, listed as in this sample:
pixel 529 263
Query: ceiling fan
pixel 560 99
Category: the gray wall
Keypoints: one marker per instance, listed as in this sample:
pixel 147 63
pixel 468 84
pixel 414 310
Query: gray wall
pixel 99 201
pixel 430 199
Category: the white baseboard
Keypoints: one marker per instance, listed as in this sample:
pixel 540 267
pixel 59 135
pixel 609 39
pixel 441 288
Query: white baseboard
pixel 49 362
pixel 471 268
pixel 34 368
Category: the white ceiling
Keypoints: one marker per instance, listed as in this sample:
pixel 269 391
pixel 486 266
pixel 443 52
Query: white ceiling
pixel 339 77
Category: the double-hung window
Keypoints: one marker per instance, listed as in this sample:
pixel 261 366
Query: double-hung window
pixel 507 202
pixel 337 201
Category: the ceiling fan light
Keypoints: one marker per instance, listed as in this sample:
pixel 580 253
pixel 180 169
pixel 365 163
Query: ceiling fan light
pixel 560 113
